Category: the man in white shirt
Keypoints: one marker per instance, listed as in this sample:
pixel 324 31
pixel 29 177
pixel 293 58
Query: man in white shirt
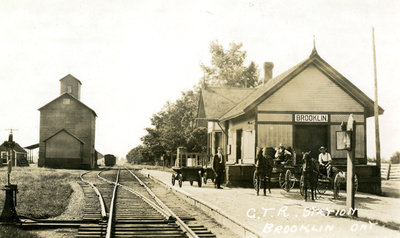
pixel 325 160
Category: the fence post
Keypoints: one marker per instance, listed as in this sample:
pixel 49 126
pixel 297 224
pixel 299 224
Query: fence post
pixel 388 171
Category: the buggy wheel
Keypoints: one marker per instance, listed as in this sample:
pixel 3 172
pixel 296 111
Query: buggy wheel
pixel 322 187
pixel 289 180
pixel 191 182
pixel 281 180
pixel 180 180
pixel 302 185
pixel 173 180
pixel 199 181
pixel 205 177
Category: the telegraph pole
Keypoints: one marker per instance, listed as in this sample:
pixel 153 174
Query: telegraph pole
pixel 376 115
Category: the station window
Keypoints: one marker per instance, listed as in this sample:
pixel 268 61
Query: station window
pixel 69 89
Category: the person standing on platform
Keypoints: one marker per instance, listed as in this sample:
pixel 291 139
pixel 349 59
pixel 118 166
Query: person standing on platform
pixel 219 167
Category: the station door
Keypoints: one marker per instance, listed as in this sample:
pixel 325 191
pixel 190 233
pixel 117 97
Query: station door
pixel 310 138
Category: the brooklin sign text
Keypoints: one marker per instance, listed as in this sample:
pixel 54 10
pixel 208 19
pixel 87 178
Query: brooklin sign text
pixel 311 117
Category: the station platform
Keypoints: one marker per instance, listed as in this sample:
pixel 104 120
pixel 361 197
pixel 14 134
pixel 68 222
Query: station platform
pixel 286 213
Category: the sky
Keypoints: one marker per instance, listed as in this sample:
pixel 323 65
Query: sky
pixel 132 56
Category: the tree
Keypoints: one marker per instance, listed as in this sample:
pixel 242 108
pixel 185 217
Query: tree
pixel 227 67
pixel 395 159
pixel 135 156
pixel 174 126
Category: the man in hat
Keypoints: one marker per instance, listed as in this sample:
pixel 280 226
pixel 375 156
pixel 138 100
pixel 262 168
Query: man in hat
pixel 282 154
pixel 325 160
pixel 219 167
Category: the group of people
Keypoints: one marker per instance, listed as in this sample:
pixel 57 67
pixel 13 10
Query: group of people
pixel 265 159
pixel 285 155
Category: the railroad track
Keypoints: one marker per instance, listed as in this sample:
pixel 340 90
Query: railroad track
pixel 124 206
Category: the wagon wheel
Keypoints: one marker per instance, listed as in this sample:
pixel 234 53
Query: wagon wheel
pixel 205 177
pixel 281 180
pixel 302 185
pixel 199 180
pixel 173 179
pixel 322 187
pixel 180 179
pixel 290 180
pixel 191 182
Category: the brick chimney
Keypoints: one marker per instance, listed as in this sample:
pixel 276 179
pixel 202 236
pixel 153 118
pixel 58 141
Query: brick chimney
pixel 268 67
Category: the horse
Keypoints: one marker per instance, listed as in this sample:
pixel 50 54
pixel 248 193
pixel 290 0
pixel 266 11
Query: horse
pixel 310 174
pixel 264 166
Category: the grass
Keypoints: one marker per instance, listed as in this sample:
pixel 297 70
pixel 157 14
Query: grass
pixel 42 193
pixel 150 167
pixel 11 231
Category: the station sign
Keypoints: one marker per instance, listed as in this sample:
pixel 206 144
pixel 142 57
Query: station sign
pixel 311 118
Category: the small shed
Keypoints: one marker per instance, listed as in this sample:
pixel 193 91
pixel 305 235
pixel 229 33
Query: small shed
pixel 18 155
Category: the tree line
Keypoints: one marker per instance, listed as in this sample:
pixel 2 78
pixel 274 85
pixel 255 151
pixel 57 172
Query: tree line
pixel 175 124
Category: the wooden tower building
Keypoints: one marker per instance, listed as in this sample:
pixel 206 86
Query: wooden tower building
pixel 67 129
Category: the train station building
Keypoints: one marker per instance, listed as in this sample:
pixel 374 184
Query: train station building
pixel 67 130
pixel 302 108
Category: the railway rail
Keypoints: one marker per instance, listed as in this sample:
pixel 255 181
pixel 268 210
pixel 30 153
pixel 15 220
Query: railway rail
pixel 127 207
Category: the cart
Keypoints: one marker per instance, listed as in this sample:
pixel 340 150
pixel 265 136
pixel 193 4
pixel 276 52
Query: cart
pixel 286 176
pixel 188 167
pixel 287 173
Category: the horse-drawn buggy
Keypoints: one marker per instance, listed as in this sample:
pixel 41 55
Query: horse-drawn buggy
pixel 301 169
pixel 320 179
pixel 281 166
pixel 188 167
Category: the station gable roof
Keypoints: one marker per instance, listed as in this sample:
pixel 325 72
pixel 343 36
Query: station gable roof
pixel 216 101
pixel 271 86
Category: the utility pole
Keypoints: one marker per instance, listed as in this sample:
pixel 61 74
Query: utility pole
pixel 376 115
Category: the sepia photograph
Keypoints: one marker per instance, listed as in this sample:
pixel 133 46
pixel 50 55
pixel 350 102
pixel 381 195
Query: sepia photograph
pixel 184 118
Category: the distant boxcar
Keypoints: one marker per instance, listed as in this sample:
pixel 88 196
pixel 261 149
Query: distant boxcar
pixel 109 160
